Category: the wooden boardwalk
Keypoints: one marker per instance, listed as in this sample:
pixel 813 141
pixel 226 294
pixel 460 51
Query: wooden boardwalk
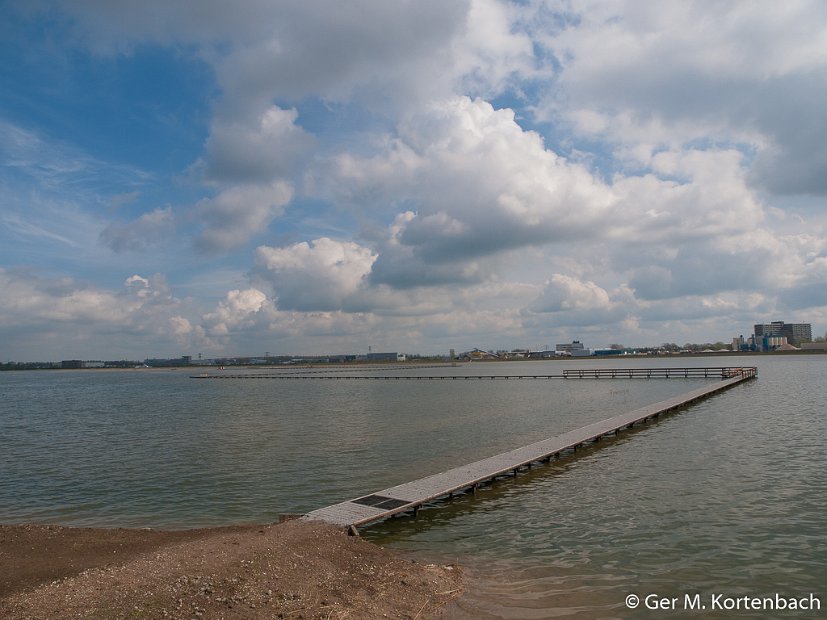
pixel 706 372
pixel 412 495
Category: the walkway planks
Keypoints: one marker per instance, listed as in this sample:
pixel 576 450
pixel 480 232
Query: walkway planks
pixel 706 372
pixel 411 495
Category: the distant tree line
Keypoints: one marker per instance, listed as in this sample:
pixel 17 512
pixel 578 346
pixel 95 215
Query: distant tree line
pixel 29 365
pixel 695 347
pixel 58 365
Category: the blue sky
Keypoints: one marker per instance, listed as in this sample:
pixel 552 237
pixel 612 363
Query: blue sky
pixel 301 177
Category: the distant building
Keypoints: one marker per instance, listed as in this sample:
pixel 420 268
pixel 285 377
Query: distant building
pixel 606 352
pixel 478 354
pixel 82 364
pixel 771 343
pixel 795 333
pixel 575 349
pixel 386 357
pixel 798 333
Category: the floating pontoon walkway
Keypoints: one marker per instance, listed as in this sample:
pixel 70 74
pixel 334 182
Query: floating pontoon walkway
pixel 708 372
pixel 412 495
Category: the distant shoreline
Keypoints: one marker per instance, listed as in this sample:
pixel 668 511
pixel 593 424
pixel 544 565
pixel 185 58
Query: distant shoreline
pixel 414 364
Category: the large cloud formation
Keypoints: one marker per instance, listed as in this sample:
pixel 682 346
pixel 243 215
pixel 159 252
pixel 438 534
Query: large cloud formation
pixel 430 173
pixel 318 276
pixel 42 312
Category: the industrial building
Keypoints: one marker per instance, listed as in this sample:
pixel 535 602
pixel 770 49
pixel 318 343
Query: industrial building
pixel 770 336
pixel 574 349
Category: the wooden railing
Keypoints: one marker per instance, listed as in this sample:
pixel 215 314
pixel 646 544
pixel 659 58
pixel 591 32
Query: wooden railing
pixel 725 372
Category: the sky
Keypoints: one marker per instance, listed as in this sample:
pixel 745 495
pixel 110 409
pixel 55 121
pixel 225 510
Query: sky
pixel 309 177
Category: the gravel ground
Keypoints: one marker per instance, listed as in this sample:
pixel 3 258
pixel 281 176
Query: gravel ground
pixel 291 570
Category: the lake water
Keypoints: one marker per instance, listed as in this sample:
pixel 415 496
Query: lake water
pixel 726 497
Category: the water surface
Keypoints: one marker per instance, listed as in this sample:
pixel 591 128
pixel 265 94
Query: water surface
pixel 729 495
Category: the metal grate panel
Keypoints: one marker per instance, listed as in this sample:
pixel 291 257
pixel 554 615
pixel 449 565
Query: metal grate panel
pixel 380 501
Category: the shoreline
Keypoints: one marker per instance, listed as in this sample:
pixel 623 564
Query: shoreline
pixel 414 364
pixel 295 569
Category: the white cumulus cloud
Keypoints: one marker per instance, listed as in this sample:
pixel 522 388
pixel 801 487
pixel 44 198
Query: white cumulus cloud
pixel 237 213
pixel 322 275
pixel 269 147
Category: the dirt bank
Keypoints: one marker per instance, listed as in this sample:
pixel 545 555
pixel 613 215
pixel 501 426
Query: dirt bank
pixel 290 570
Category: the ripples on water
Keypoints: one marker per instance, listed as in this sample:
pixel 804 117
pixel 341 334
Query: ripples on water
pixel 727 496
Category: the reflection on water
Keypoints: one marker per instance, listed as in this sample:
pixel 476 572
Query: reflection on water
pixel 729 495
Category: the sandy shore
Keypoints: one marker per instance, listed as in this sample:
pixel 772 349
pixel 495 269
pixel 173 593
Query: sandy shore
pixel 290 570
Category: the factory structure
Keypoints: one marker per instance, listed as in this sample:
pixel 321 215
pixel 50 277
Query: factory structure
pixel 777 336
